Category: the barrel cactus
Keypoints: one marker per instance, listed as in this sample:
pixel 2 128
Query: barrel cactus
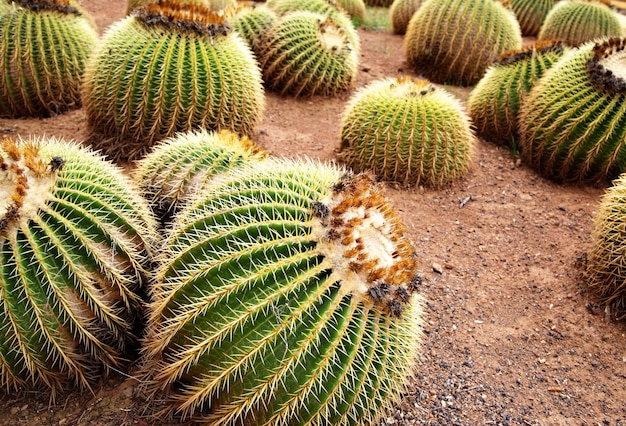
pixel 307 53
pixel 531 14
pixel 495 101
pixel 578 21
pixel 401 12
pixel 379 3
pixel 455 41
pixel 573 121
pixel 286 295
pixel 134 4
pixel 75 253
pixel 251 21
pixel 179 166
pixel 168 68
pixel 44 46
pixel 408 131
pixel 354 8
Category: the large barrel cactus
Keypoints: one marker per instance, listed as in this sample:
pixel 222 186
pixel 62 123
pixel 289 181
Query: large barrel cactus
pixel 577 21
pixel 531 14
pixel 178 167
pixel 573 121
pixel 408 131
pixel 286 296
pixel 44 46
pixel 168 68
pixel 455 41
pixel 401 12
pixel 306 53
pixel 75 251
pixel 495 101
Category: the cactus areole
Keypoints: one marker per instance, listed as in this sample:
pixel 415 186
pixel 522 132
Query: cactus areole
pixel 62 6
pixel 607 66
pixel 185 17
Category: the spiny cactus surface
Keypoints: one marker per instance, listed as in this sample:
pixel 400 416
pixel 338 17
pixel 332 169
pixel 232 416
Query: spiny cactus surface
pixel 408 131
pixel 378 3
pixel 401 12
pixel 286 296
pixel 75 251
pixel 573 121
pixel 251 21
pixel 531 14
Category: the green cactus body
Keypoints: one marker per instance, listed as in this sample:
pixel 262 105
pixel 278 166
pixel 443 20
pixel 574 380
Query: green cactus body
pixel 75 247
pixel 44 46
pixel 455 41
pixel 251 22
pixel 179 166
pixel 531 14
pixel 573 121
pixel 354 8
pixel 577 21
pixel 401 12
pixel 407 131
pixel 169 68
pixel 495 101
pixel 306 54
pixel 286 297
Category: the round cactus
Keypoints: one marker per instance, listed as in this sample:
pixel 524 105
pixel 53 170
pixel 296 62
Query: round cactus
pixel 455 41
pixel 408 131
pixel 577 21
pixel 75 246
pixel 135 4
pixel 531 14
pixel 44 46
pixel 495 101
pixel 251 21
pixel 354 8
pixel 286 296
pixel 573 121
pixel 401 12
pixel 306 53
pixel 179 166
pixel 169 68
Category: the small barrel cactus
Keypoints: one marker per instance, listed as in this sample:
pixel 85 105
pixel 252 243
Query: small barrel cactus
pixel 75 253
pixel 573 121
pixel 251 21
pixel 455 41
pixel 44 46
pixel 307 53
pixel 495 101
pixel 401 12
pixel 577 21
pixel 179 166
pixel 531 14
pixel 354 8
pixel 169 68
pixel 408 131
pixel 286 296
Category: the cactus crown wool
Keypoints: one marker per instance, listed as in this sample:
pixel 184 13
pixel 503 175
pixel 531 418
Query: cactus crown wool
pixel 539 48
pixel 607 66
pixel 190 17
pixel 62 6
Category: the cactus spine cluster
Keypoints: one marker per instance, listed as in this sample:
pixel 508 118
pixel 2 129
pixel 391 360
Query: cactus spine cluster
pixel 573 121
pixel 379 3
pixel 577 21
pixel 307 53
pixel 401 12
pixel 135 4
pixel 495 101
pixel 286 296
pixel 408 131
pixel 169 68
pixel 251 21
pixel 75 247
pixel 44 46
pixel 454 41
pixel 531 14
pixel 179 166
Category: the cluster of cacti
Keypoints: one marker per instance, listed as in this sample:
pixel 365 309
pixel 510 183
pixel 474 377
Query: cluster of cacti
pixel 573 121
pixel 178 167
pixel 75 251
pixel 606 262
pixel 251 21
pixel 307 53
pixel 531 14
pixel 408 131
pixel 454 41
pixel 577 21
pixel 285 296
pixel 169 68
pixel 44 46
pixel 495 101
pixel 401 12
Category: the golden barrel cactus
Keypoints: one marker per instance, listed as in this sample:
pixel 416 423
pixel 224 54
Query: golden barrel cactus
pixel 401 12
pixel 531 14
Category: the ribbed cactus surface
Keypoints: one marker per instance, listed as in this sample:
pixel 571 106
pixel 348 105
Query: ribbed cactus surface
pixel 455 41
pixel 578 21
pixel 44 46
pixel 165 69
pixel 354 8
pixel 531 14
pixel 573 121
pixel 378 3
pixel 251 21
pixel 179 166
pixel 495 101
pixel 401 12
pixel 75 251
pixel 408 131
pixel 134 4
pixel 285 297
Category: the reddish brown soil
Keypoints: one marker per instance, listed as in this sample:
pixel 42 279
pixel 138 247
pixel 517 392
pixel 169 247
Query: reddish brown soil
pixel 512 337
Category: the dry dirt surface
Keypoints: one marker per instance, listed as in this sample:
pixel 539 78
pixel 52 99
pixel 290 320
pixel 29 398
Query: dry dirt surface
pixel 512 336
